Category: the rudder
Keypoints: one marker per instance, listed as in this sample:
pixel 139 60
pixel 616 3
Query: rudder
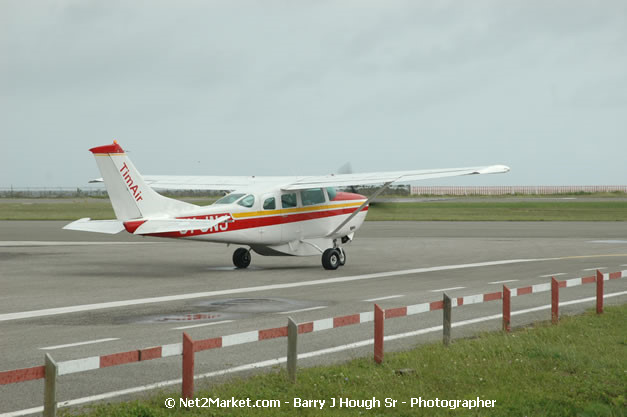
pixel 130 196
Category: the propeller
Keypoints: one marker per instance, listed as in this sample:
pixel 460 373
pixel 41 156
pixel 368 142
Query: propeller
pixel 347 169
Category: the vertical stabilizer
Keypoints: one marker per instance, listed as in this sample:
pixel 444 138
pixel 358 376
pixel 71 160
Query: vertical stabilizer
pixel 130 196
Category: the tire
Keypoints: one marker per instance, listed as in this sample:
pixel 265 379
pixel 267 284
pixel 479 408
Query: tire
pixel 331 259
pixel 342 257
pixel 241 258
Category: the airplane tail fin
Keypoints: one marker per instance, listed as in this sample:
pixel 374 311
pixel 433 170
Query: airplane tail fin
pixel 130 196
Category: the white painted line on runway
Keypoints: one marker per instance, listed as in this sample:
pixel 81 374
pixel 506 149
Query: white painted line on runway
pixel 22 243
pixel 503 282
pixel 327 281
pixel 607 241
pixel 278 361
pixel 389 297
pixel 302 309
pixel 202 325
pixel 447 289
pixel 89 342
pixel 552 275
pixel 594 269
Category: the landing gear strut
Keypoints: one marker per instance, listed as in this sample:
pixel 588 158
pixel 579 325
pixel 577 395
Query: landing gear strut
pixel 241 258
pixel 342 256
pixel 333 258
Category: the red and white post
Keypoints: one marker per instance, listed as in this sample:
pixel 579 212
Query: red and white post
pixel 507 308
pixel 555 300
pixel 599 292
pixel 379 317
pixel 188 366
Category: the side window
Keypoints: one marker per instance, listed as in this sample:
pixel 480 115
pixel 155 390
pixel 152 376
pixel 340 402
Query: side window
pixel 247 201
pixel 313 196
pixel 269 204
pixel 288 200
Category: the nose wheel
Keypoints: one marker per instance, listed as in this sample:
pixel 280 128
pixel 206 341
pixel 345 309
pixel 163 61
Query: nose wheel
pixel 241 258
pixel 333 258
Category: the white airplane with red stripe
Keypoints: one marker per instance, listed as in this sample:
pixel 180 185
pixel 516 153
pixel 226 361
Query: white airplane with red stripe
pixel 272 216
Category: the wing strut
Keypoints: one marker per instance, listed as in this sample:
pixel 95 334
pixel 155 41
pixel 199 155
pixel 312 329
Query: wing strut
pixel 353 214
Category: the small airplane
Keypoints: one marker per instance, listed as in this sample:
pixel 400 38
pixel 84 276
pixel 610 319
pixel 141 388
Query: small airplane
pixel 272 216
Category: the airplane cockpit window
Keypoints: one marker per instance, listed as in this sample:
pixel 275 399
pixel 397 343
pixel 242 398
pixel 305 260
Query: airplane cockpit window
pixel 269 204
pixel 288 200
pixel 230 198
pixel 332 193
pixel 247 201
pixel 312 196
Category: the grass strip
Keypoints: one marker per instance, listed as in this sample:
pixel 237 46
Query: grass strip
pixel 577 368
pixel 93 208
pixel 428 211
pixel 501 211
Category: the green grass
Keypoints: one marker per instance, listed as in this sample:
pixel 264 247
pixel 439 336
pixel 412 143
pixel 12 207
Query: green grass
pixel 502 211
pixel 581 194
pixel 578 368
pixel 65 210
pixel 427 211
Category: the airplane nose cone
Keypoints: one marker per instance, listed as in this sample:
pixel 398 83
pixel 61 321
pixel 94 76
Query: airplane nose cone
pixel 344 196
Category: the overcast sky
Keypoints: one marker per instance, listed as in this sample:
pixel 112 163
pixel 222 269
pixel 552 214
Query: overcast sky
pixel 301 87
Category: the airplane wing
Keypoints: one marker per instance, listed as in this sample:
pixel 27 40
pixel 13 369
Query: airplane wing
pixel 288 183
pixel 345 180
pixel 208 183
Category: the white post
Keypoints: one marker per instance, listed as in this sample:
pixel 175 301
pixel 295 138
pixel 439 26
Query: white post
pixel 446 316
pixel 292 349
pixel 50 387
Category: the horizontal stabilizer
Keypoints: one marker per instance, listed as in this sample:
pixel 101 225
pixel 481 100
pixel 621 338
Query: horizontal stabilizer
pixel 100 226
pixel 178 225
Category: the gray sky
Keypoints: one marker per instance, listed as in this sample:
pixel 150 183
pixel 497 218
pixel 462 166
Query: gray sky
pixel 289 87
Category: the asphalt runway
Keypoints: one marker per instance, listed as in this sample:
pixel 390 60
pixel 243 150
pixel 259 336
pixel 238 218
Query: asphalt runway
pixel 75 294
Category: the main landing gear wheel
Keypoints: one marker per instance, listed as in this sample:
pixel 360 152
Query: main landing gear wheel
pixel 331 259
pixel 241 258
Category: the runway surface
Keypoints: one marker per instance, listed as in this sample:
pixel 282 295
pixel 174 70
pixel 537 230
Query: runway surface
pixel 75 295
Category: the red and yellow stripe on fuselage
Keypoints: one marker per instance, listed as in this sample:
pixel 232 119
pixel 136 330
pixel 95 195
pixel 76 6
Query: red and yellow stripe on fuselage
pixel 247 220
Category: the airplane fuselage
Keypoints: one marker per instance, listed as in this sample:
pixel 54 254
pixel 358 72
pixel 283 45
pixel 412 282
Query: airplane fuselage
pixel 276 222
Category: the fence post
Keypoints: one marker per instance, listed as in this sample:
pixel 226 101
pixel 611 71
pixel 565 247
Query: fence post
pixel 292 349
pixel 50 387
pixel 188 366
pixel 379 317
pixel 507 308
pixel 599 292
pixel 555 300
pixel 446 316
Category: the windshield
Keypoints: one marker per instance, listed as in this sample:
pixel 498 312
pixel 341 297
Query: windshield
pixel 228 199
pixel 247 201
